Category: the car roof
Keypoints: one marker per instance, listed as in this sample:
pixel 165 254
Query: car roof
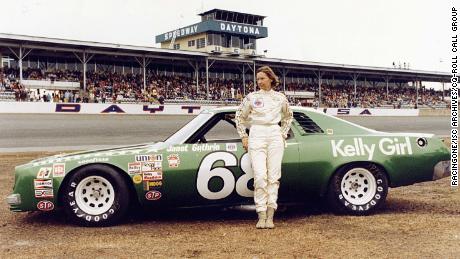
pixel 298 109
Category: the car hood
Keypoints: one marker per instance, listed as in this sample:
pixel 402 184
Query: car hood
pixel 146 147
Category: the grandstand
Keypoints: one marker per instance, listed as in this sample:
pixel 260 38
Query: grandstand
pixel 59 70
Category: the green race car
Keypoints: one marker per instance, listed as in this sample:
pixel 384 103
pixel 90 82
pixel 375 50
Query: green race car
pixel 204 164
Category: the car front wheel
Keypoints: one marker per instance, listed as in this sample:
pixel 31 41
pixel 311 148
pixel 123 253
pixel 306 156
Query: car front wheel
pixel 358 189
pixel 95 195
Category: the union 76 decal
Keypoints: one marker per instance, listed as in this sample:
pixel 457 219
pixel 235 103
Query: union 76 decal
pixel 206 172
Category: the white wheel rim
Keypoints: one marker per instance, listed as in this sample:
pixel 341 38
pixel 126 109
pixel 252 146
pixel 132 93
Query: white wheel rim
pixel 358 186
pixel 94 195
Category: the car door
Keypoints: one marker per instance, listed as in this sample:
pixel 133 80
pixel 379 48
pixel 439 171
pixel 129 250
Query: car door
pixel 207 171
pixel 214 167
pixel 314 160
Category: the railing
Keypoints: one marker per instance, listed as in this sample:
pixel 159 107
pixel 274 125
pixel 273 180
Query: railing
pixel 51 85
pixel 7 97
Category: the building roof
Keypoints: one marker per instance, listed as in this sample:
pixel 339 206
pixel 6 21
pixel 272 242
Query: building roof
pixel 55 45
pixel 214 10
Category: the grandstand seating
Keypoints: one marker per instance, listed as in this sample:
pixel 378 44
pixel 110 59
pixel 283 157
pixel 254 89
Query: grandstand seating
pixel 112 87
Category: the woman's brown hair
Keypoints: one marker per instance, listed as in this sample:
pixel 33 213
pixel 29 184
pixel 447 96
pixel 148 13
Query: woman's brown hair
pixel 269 72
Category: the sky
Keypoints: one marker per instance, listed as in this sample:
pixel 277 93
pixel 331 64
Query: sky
pixel 355 32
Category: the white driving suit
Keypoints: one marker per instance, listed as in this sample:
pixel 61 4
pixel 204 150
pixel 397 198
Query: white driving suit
pixel 261 111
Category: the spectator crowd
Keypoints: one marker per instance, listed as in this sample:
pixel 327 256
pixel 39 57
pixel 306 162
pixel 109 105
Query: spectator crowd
pixel 105 86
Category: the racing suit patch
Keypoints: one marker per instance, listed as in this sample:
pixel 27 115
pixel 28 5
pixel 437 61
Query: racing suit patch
pixel 258 103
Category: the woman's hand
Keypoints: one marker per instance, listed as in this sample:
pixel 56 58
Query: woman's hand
pixel 245 143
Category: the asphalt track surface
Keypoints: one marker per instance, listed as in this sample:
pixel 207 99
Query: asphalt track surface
pixel 43 132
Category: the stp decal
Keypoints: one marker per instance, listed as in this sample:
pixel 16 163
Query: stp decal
pixel 153 195
pixel 45 205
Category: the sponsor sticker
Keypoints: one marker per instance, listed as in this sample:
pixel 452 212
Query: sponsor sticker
pixel 153 195
pixel 59 170
pixel 93 160
pixel 137 179
pixel 152 176
pixel 155 184
pixel 43 184
pixel 44 173
pixel 173 160
pixel 231 147
pixel 258 103
pixel 44 193
pixel 358 147
pixel 149 158
pixel 152 185
pixel 134 168
pixel 47 205
pixel 150 166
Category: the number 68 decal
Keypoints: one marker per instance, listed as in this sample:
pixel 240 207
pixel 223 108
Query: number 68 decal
pixel 206 172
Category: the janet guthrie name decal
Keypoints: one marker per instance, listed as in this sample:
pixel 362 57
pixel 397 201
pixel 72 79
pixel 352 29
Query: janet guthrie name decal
pixel 357 147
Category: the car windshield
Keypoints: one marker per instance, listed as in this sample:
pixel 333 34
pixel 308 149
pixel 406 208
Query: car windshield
pixel 188 129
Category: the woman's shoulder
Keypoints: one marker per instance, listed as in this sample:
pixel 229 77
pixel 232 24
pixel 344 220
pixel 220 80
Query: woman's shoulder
pixel 250 95
pixel 280 95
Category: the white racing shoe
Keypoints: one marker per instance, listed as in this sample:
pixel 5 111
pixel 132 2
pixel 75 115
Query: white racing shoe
pixel 269 222
pixel 262 219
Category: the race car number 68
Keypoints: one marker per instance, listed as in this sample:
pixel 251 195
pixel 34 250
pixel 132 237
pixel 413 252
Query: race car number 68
pixel 205 173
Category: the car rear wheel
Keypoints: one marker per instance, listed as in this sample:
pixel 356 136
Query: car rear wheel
pixel 95 195
pixel 358 189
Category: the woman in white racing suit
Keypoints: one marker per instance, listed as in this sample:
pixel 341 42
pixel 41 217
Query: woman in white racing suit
pixel 261 112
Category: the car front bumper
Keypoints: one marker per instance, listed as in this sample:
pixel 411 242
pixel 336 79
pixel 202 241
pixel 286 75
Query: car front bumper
pixel 14 200
pixel 441 170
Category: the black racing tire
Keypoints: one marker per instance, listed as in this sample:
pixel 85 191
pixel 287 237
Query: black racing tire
pixel 95 196
pixel 357 189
